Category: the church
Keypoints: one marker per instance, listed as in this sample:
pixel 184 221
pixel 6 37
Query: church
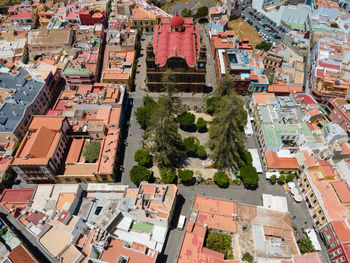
pixel 177 48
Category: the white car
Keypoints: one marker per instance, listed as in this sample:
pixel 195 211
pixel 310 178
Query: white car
pixel 181 223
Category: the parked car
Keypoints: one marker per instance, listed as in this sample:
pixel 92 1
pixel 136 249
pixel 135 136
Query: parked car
pixel 181 223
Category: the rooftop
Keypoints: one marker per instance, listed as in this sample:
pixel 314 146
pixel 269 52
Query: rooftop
pixel 41 140
pixel 21 255
pixel 275 162
pixel 24 89
pixel 135 254
pixel 16 195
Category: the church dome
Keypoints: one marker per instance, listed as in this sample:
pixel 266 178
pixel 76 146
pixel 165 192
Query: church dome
pixel 176 21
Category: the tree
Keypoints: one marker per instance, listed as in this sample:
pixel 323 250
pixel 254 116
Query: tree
pixel 186 12
pixel 225 86
pixel 191 145
pixel 248 159
pixel 281 179
pixel 273 179
pixel 166 147
pixel 91 151
pixel 249 176
pixel 201 124
pixel 305 245
pixel 218 242
pixel 139 173
pixel 168 176
pixel 185 176
pixel 201 153
pixel 144 113
pixel 143 157
pixel 202 12
pixel 334 25
pixel 226 133
pixel 221 179
pixel 211 104
pixel 264 45
pixel 290 178
pixel 186 119
pixel 247 257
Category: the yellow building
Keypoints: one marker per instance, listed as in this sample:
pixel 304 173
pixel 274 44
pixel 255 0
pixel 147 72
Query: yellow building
pixel 118 67
pixel 144 19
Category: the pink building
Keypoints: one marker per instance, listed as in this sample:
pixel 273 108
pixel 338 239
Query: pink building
pixel 340 112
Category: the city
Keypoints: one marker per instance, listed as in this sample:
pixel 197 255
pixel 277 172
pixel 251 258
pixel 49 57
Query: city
pixel 177 131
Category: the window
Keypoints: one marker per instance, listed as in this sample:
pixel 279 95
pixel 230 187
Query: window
pixel 342 259
pixel 323 218
pixel 312 195
pixel 314 216
pixel 339 250
pixel 330 235
pixel 326 228
pixel 319 211
pixel 333 244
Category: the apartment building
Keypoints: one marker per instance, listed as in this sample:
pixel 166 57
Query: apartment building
pixel 24 95
pixel 42 150
pixel 339 112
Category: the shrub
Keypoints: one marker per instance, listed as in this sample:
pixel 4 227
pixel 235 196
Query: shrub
pixel 186 119
pixel 247 257
pixel 139 173
pixel 305 245
pixel 264 45
pixel 91 151
pixel 191 145
pixel 334 25
pixel 201 153
pixel 249 176
pixel 201 124
pixel 142 157
pixel 185 175
pixel 168 176
pixel 281 179
pixel 273 179
pixel 218 242
pixel 290 178
pixel 221 179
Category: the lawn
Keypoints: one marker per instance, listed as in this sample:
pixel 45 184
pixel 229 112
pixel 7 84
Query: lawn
pixel 142 227
pixel 243 29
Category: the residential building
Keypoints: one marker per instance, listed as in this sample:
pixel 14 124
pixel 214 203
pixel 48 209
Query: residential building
pixel 246 68
pixel 43 41
pixel 92 17
pixel 95 113
pixel 176 47
pixel 270 230
pixel 42 150
pixel 277 162
pixel 21 14
pixel 24 95
pixel 93 222
pixel 118 66
pixel 339 112
pixel 329 72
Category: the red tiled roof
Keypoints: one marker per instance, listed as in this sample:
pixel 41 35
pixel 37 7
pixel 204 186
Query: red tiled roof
pixel 16 195
pixel 307 258
pixel 167 43
pixel 342 229
pixel 20 255
pixel 176 21
pixel 342 190
pixel 273 161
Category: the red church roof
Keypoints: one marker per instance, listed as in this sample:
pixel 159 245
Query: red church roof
pixel 184 44
pixel 176 21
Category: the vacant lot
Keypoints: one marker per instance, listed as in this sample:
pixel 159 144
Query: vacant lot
pixel 243 29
